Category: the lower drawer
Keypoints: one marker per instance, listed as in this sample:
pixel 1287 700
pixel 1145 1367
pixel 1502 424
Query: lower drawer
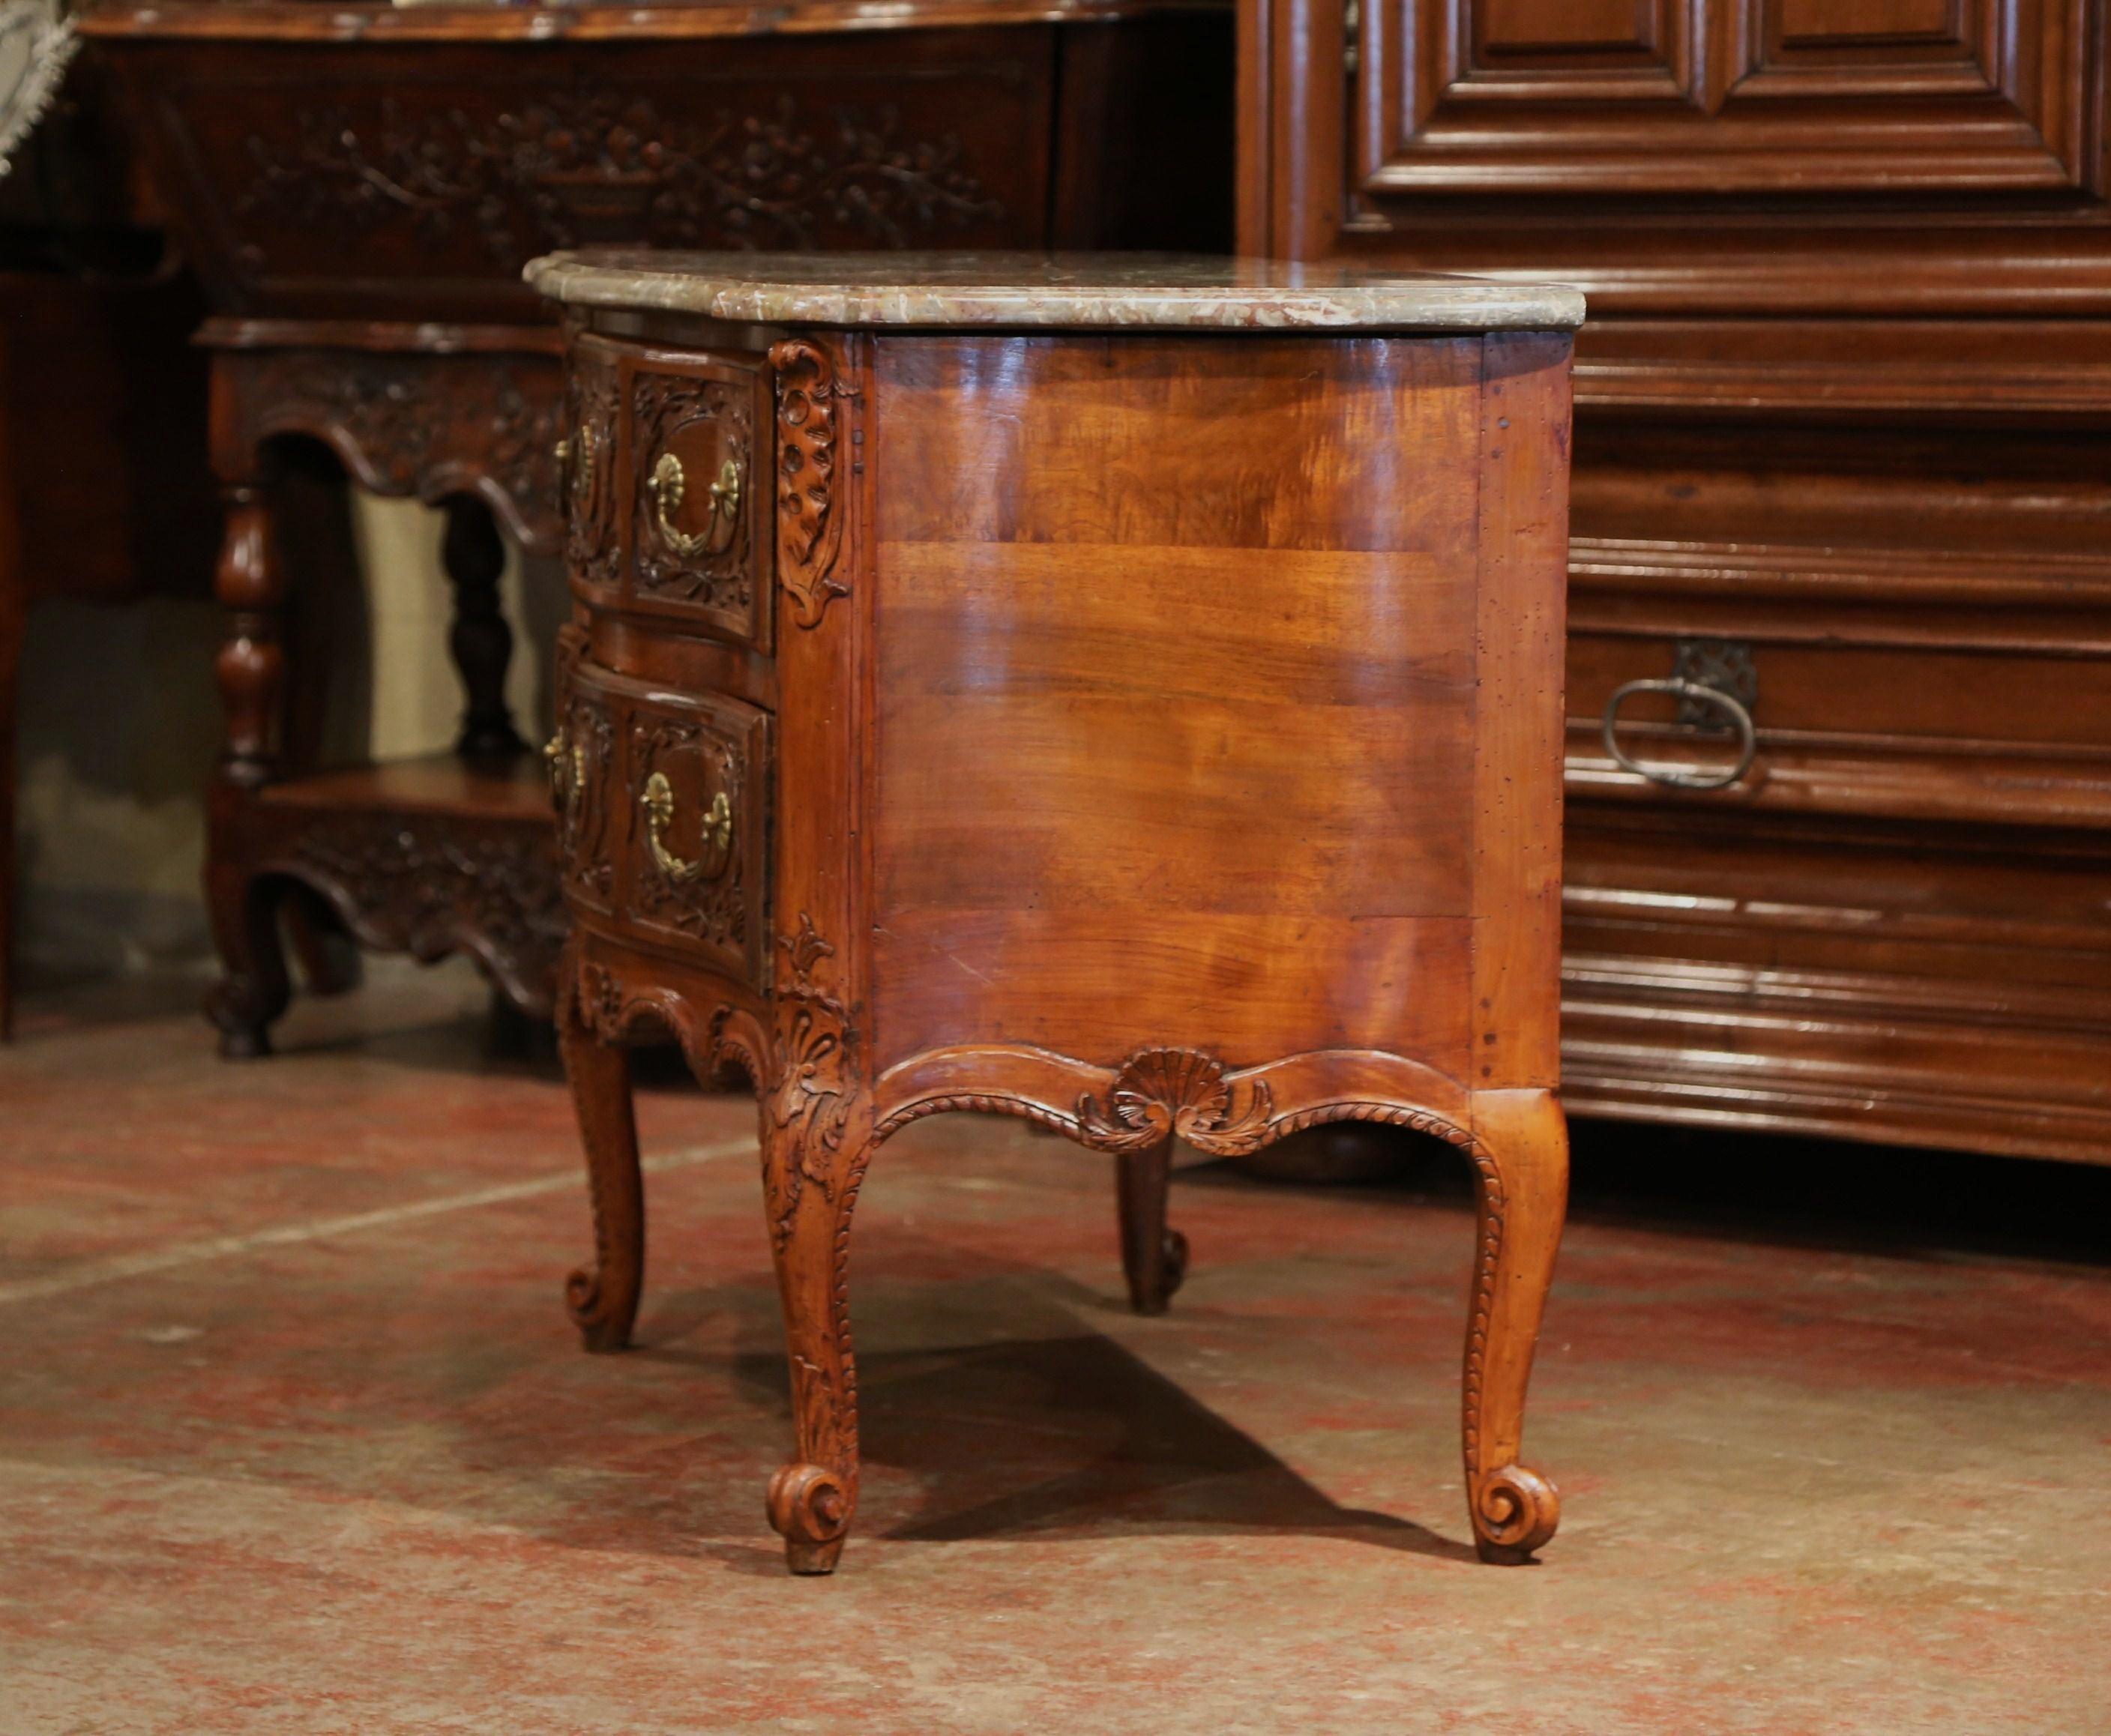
pixel 663 804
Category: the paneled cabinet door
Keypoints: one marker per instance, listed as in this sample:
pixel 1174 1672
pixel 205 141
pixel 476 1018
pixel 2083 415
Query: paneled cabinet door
pixel 1713 96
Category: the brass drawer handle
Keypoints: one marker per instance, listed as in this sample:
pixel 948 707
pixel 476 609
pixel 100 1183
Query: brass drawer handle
pixel 667 485
pixel 565 760
pixel 576 467
pixel 1697 693
pixel 658 802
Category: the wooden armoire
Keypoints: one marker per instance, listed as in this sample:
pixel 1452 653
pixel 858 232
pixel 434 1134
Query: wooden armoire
pixel 1842 495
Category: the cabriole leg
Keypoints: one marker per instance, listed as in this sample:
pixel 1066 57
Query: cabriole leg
pixel 811 1187
pixel 1521 1161
pixel 602 1299
pixel 1154 1259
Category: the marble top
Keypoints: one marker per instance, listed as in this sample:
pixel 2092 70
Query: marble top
pixel 1073 290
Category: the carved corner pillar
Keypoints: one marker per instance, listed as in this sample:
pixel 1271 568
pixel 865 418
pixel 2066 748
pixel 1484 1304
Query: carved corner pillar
pixel 817 1117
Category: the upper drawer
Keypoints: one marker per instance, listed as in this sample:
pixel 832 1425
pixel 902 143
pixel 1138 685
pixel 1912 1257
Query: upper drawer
pixel 697 470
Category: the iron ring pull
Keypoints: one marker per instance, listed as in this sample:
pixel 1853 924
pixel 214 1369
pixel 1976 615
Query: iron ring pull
pixel 667 485
pixel 1699 693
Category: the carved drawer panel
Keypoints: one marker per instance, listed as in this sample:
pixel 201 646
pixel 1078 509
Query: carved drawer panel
pixel 587 476
pixel 699 493
pixel 693 861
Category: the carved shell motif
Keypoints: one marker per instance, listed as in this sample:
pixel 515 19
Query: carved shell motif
pixel 1158 1093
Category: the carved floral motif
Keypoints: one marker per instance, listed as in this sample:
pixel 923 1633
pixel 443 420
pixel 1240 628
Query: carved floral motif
pixel 579 166
pixel 810 522
pixel 809 1102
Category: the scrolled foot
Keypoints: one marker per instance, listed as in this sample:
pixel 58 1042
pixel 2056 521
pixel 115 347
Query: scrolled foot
pixel 810 1508
pixel 603 1328
pixel 1515 1510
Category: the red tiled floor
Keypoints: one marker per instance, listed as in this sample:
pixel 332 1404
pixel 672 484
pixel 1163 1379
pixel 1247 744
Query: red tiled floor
pixel 294 1437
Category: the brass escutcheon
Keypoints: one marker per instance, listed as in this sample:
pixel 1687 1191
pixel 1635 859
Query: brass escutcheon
pixel 667 484
pixel 658 802
pixel 565 760
pixel 576 467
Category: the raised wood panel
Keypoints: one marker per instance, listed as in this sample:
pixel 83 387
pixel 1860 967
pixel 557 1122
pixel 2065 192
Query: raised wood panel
pixel 1064 547
pixel 1555 32
pixel 1727 96
pixel 1803 25
pixel 1899 981
pixel 1824 23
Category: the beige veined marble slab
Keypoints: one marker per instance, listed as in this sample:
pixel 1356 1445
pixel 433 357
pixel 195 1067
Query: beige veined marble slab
pixel 1070 291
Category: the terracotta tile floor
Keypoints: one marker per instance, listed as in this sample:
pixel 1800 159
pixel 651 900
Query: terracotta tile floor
pixel 294 1437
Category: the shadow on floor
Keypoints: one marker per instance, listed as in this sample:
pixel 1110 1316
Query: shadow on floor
pixel 1076 1437
pixel 1047 1433
pixel 1781 1189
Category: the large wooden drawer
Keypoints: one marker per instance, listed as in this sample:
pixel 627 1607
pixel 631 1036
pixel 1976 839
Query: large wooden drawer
pixel 1931 731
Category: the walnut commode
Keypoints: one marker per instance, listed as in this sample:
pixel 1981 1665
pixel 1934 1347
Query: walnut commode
pixel 1121 693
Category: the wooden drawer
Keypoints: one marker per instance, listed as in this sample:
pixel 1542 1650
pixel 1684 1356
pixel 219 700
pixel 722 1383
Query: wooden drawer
pixel 663 807
pixel 1952 731
pixel 697 463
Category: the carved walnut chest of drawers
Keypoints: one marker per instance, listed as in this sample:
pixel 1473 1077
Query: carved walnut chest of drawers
pixel 1123 694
